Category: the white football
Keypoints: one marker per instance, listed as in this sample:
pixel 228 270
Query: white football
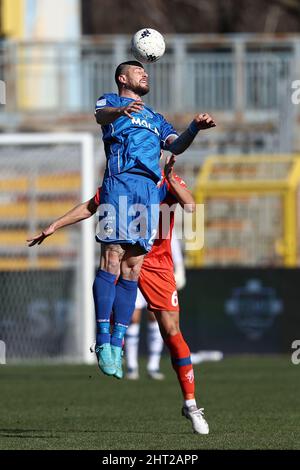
pixel 148 45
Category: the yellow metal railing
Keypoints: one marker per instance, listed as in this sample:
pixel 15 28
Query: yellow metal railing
pixel 243 178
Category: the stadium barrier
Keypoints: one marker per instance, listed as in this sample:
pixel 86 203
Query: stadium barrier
pixel 251 205
pixel 233 74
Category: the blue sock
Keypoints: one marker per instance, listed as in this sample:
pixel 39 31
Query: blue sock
pixel 104 291
pixel 123 308
pixel 103 332
pixel 118 334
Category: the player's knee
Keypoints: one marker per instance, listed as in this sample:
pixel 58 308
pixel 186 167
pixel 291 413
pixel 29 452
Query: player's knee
pixel 168 323
pixel 112 267
pixel 131 268
pixel 131 274
pixel 172 330
pixel 169 330
pixel 111 260
pixel 135 271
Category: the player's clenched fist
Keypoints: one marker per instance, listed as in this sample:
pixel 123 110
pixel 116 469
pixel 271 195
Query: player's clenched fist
pixel 133 107
pixel 204 121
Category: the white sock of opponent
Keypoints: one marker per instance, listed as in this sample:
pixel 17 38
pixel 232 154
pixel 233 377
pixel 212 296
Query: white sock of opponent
pixel 132 346
pixel 155 345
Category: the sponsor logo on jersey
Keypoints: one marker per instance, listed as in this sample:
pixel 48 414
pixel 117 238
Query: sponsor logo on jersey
pixel 143 123
pixel 100 103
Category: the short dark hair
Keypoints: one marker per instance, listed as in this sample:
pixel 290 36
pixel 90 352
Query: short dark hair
pixel 122 66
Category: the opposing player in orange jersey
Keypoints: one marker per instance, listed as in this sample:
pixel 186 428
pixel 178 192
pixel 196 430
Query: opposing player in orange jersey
pixel 157 282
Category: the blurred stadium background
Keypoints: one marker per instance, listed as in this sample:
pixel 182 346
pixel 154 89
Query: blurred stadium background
pixel 56 58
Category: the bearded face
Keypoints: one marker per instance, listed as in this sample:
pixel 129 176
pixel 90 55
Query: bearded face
pixel 135 79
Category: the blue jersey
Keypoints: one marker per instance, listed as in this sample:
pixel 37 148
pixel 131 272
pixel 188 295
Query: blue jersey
pixel 135 143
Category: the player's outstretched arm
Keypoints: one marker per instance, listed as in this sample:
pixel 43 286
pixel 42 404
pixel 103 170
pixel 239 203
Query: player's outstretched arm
pixel 182 194
pixel 107 115
pixel 183 141
pixel 78 213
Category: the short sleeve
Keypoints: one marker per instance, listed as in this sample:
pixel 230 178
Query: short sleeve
pixel 166 130
pixel 109 99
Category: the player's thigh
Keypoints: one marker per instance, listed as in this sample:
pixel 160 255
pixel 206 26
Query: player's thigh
pixel 132 261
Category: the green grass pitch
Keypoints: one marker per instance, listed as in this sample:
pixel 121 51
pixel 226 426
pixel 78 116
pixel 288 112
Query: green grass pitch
pixel 250 403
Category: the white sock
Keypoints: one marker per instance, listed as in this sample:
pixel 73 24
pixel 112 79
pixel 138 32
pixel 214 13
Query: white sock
pixel 132 346
pixel 189 403
pixel 155 346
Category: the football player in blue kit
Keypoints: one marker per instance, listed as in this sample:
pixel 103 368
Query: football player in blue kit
pixel 133 136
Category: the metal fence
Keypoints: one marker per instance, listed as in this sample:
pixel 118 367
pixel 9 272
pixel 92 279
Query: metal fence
pixel 250 211
pixel 232 74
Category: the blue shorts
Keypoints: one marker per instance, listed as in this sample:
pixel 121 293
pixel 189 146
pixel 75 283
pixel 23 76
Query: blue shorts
pixel 129 210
